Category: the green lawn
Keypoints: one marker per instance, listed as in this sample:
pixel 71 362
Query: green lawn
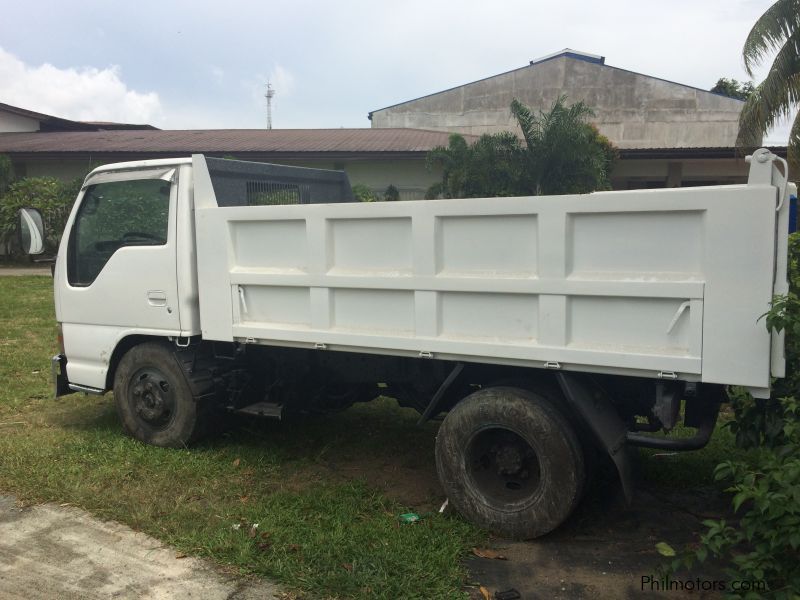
pixel 327 526
pixel 325 492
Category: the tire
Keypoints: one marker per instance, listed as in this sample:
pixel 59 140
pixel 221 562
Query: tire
pixel 154 400
pixel 510 462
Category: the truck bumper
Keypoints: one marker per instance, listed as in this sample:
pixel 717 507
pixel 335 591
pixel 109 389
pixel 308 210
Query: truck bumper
pixel 58 370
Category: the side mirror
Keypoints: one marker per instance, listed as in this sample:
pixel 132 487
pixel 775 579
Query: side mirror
pixel 31 231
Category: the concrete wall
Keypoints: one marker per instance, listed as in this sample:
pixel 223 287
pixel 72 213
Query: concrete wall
pixel 632 110
pixel 61 169
pixel 14 123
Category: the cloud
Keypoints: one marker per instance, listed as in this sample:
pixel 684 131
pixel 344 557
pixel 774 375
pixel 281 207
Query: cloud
pixel 283 84
pixel 83 94
pixel 779 135
pixel 282 80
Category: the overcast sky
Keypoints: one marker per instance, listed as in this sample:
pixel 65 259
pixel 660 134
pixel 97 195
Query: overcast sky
pixel 201 64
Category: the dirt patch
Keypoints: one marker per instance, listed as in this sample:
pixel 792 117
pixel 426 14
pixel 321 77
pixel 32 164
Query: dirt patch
pixel 415 487
pixel 606 550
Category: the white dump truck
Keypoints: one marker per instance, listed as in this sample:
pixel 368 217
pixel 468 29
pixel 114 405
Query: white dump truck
pixel 545 328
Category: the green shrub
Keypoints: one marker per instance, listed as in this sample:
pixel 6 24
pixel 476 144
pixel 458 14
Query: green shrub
pixel 392 194
pixel 363 193
pixel 53 197
pixel 764 545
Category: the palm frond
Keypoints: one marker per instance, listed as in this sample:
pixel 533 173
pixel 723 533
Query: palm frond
pixel 794 149
pixel 776 25
pixel 526 120
pixel 783 73
pixel 767 105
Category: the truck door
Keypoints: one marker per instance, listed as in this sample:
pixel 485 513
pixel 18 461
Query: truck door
pixel 116 271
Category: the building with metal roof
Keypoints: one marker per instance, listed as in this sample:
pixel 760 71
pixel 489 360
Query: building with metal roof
pixel 16 119
pixel 376 158
pixel 668 134
pixel 631 109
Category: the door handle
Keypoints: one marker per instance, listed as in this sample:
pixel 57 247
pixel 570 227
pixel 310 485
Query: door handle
pixel 156 298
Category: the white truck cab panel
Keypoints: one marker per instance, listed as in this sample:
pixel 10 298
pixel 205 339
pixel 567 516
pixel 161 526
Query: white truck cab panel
pixel 116 273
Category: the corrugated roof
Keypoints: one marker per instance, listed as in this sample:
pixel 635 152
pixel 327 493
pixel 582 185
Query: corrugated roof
pixel 51 123
pixel 228 140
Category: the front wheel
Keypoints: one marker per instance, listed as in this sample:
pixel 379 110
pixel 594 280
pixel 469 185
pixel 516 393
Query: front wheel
pixel 510 462
pixel 154 401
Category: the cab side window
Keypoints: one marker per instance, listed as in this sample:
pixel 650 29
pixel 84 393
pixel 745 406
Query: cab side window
pixel 112 216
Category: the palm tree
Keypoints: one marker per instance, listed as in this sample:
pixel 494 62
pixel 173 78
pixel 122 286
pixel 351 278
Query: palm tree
pixel 778 29
pixel 452 160
pixel 562 154
pixel 565 153
pixel 488 167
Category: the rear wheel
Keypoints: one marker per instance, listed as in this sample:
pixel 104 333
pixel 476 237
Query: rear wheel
pixel 154 401
pixel 510 462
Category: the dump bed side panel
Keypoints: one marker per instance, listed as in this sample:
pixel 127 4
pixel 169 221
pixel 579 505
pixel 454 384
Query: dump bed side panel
pixel 642 282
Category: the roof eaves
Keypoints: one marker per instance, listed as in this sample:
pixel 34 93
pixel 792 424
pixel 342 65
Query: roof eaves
pixel 694 152
pixel 24 112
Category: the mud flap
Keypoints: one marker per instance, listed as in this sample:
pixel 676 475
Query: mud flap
pixel 58 374
pixel 599 415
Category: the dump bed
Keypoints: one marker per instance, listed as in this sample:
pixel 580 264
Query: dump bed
pixel 655 283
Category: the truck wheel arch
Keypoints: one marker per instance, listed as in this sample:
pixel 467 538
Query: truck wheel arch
pixel 121 349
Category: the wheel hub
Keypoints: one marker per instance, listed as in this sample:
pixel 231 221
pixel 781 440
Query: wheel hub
pixel 508 459
pixel 151 398
pixel 503 465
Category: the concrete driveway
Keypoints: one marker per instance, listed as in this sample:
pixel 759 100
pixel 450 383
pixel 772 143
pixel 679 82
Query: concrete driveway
pixel 25 270
pixel 51 551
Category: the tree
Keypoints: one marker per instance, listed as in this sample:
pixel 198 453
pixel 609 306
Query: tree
pixel 492 166
pixel 562 154
pixel 733 89
pixel 452 159
pixel 565 154
pixel 777 30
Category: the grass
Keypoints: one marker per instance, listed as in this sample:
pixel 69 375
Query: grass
pixel 327 523
pixel 326 492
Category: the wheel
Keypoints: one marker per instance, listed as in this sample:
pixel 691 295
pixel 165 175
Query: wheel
pixel 510 462
pixel 154 401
